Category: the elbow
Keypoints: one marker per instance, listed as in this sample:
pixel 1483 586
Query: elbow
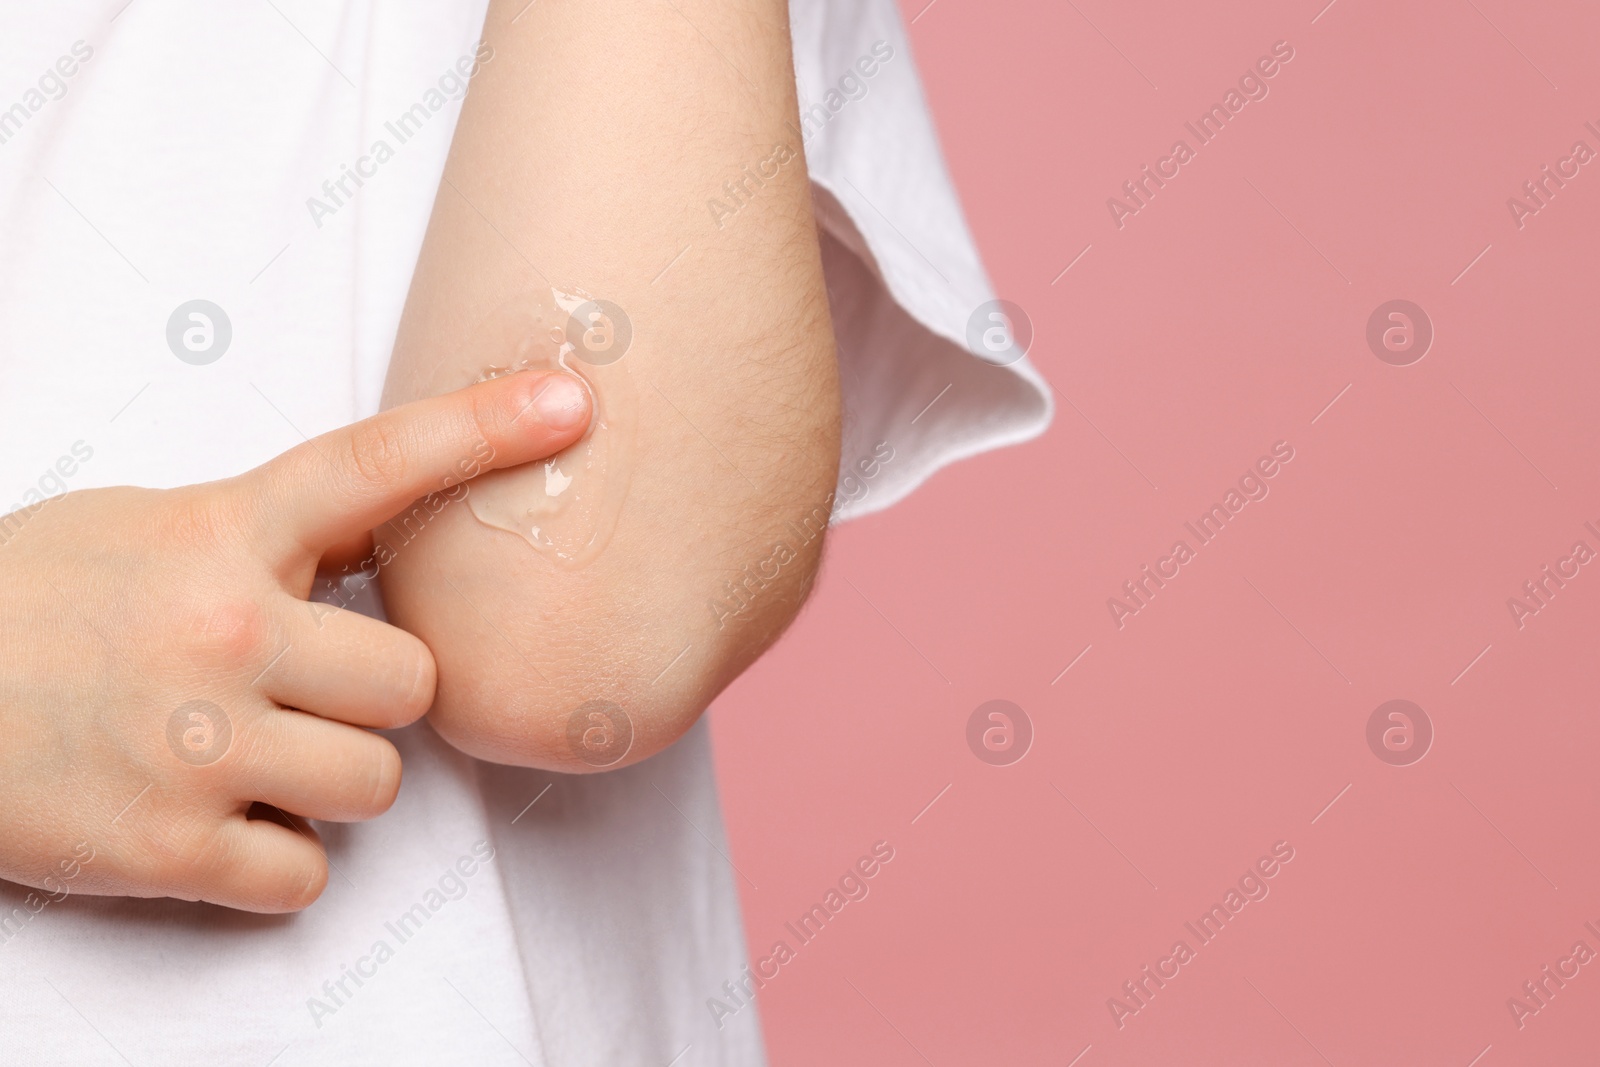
pixel 619 676
pixel 599 666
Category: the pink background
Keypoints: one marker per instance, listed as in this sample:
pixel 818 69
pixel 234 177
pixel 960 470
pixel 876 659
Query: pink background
pixel 1229 713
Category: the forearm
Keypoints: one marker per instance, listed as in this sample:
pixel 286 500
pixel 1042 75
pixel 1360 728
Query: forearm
pixel 646 153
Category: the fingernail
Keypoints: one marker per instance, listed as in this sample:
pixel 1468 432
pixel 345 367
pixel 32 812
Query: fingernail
pixel 562 403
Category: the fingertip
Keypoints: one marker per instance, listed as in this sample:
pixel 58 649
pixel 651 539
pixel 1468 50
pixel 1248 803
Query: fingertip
pixel 422 686
pixel 561 401
pixel 386 780
pixel 311 891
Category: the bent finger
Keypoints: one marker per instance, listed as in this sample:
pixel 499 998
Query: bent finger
pixel 345 666
pixel 264 867
pixel 321 770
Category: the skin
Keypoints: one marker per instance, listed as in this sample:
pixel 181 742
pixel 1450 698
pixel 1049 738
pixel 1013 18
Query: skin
pixel 588 148
pixel 593 140
pixel 125 605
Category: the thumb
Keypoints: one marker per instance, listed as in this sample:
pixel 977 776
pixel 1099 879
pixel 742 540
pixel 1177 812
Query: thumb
pixel 353 479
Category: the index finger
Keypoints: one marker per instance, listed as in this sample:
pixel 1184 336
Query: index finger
pixel 355 478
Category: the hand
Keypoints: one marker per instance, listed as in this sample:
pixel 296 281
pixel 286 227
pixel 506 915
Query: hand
pixel 161 670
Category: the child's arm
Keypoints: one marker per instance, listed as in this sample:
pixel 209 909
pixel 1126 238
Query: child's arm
pixel 647 154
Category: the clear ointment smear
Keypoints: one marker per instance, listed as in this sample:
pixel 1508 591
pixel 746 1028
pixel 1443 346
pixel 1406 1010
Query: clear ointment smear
pixel 565 507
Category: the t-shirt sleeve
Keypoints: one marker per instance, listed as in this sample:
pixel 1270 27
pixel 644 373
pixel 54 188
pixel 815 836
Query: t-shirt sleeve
pixel 926 379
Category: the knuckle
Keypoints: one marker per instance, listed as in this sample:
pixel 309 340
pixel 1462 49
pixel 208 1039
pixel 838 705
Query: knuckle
pixel 193 855
pixel 378 453
pixel 486 415
pixel 231 634
pixel 194 520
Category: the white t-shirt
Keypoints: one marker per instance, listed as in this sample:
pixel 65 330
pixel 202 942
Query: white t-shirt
pixel 157 152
